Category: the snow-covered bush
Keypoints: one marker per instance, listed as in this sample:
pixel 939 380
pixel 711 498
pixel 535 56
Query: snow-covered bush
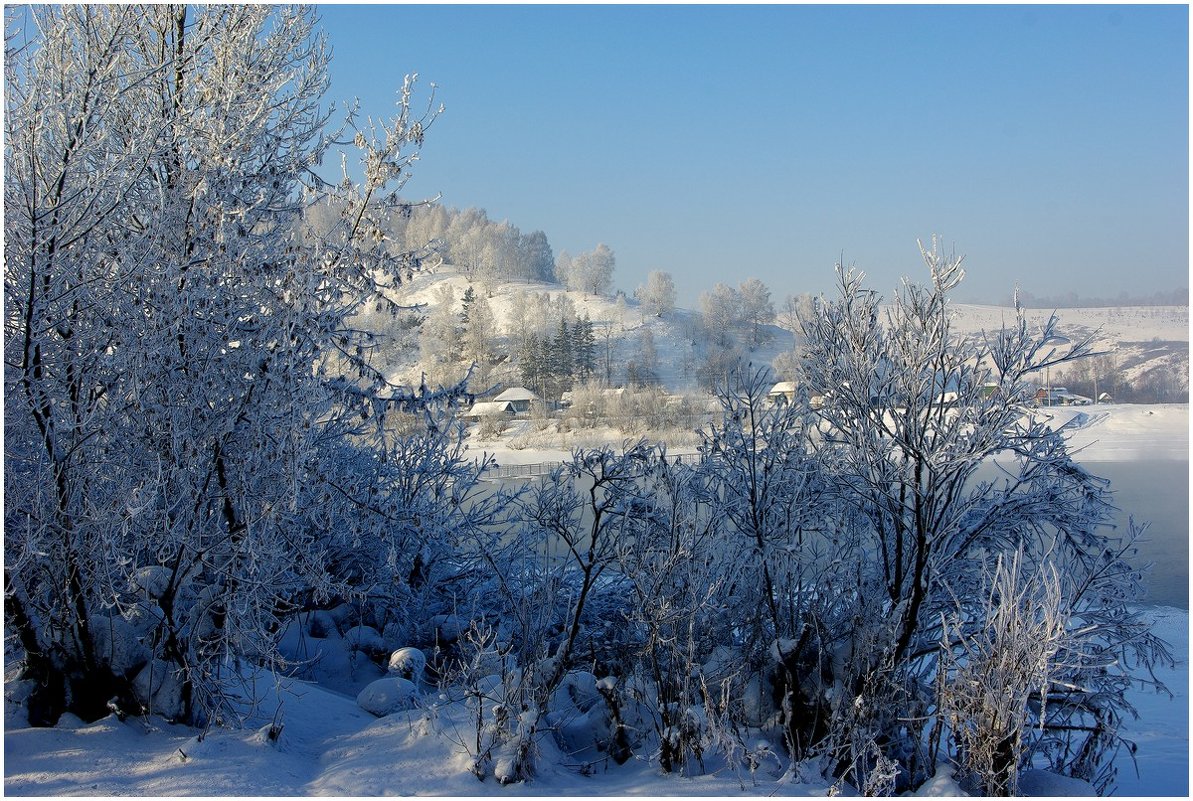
pixel 911 412
pixel 990 677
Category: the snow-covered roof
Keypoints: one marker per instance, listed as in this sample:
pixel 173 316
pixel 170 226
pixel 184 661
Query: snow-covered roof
pixel 489 409
pixel 783 387
pixel 517 394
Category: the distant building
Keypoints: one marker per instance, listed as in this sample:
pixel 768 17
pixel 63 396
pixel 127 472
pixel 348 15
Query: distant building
pixel 1060 396
pixel 485 409
pixel 782 393
pixel 519 398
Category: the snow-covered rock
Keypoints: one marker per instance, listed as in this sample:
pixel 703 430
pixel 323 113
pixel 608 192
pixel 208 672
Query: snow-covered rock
pixel 365 638
pixel 408 663
pixel 578 691
pixel 388 695
pixel 1044 783
pixel 158 687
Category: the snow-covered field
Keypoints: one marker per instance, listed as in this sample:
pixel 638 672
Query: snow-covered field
pixel 330 746
pixel 1140 338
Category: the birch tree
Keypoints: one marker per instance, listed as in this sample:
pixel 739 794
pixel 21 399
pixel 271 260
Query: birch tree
pixel 181 384
pixel 657 295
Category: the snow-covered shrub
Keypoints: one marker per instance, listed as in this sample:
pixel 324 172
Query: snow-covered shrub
pixel 992 675
pixel 554 586
pixel 387 695
pixel 910 413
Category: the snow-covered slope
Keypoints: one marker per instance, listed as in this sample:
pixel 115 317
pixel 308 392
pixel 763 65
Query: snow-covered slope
pixel 1141 338
pixel 674 338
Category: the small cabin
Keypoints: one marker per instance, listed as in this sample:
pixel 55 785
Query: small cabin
pixel 488 409
pixel 782 393
pixel 519 399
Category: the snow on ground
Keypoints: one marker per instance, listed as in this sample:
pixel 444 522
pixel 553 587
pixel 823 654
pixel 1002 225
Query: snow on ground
pixel 330 746
pixel 1125 432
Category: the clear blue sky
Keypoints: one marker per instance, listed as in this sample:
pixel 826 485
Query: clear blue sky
pixel 1050 144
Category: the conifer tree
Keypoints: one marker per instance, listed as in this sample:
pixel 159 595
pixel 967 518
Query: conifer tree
pixel 584 348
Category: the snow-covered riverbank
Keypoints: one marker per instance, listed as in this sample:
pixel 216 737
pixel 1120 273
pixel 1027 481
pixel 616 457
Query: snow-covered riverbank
pixel 330 746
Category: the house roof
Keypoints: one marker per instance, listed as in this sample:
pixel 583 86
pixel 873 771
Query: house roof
pixel 782 386
pixel 489 409
pixel 516 394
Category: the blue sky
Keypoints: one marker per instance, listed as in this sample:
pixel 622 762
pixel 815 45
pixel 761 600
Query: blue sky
pixel 1049 144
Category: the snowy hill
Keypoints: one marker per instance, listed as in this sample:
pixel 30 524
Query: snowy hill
pixel 1141 339
pixel 675 337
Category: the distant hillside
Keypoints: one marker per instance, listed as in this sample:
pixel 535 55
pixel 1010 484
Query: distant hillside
pixel 1148 346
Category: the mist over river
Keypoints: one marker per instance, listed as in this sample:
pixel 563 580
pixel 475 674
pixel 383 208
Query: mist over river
pixel 1155 492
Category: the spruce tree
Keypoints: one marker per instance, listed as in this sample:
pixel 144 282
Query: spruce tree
pixel 584 349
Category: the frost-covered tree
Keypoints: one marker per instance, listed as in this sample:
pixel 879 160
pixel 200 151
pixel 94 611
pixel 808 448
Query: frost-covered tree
pixel 720 311
pixel 757 310
pixel 563 267
pixel 184 398
pixel 590 273
pixel 909 425
pixel 643 369
pixel 479 327
pixel 796 310
pixel 467 239
pixel 794 540
pixel 441 330
pixel 533 365
pixel 584 348
pixel 657 295
pixel 537 259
